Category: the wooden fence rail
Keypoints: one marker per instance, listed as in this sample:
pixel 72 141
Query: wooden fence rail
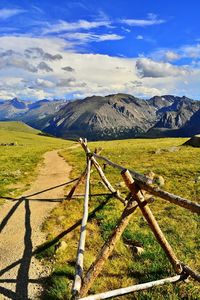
pixel 145 183
pixel 136 184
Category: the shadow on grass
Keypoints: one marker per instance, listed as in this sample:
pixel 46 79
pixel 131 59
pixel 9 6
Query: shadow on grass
pixel 55 240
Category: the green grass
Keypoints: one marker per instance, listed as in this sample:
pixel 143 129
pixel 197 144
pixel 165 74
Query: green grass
pixel 181 227
pixel 18 163
pixel 17 127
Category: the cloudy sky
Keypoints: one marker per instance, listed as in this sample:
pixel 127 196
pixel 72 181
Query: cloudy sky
pixel 72 49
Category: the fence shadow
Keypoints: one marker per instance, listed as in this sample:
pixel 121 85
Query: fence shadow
pixel 22 281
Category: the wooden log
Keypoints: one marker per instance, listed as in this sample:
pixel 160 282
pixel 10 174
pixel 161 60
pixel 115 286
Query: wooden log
pixel 104 166
pixel 145 184
pixel 80 180
pixel 133 288
pixel 138 196
pixel 107 183
pixel 101 173
pixel 107 248
pixel 191 272
pixel 141 178
pixel 183 202
pixel 81 246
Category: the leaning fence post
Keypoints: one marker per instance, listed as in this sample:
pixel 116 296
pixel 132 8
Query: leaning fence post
pixel 81 246
pixel 81 178
pixel 107 248
pixel 138 196
pixel 101 173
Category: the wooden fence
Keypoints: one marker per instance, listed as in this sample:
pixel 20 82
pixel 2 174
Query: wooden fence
pixel 136 184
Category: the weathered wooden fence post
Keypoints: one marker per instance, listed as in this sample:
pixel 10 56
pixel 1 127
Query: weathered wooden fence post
pixel 80 180
pixel 108 247
pixel 136 198
pixel 101 173
pixel 81 246
pixel 137 195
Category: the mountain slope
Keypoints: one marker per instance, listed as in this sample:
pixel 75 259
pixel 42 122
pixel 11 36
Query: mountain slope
pixel 41 111
pixel 113 116
pixel 17 127
pixel 124 116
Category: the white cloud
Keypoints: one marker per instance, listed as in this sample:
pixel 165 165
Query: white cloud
pixel 42 83
pixel 186 51
pixel 165 55
pixel 149 68
pixel 20 43
pixel 83 37
pixel 94 73
pixel 139 37
pixel 192 51
pixel 63 26
pixel 6 13
pixel 149 21
pixel 17 62
pixel 38 53
pixel 44 67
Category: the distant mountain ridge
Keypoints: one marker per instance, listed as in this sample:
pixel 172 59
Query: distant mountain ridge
pixel 34 114
pixel 116 116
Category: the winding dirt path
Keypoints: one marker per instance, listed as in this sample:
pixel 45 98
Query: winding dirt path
pixel 20 222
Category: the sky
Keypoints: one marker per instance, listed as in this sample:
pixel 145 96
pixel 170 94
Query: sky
pixel 73 49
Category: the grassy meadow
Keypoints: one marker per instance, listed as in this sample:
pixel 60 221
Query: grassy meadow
pixel 18 162
pixel 180 167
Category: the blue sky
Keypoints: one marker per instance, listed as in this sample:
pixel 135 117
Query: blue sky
pixel 73 49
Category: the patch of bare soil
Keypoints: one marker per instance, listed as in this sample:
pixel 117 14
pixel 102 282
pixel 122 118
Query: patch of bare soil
pixel 20 231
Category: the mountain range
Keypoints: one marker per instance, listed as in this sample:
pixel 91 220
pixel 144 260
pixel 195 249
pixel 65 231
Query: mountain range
pixel 116 116
pixel 34 114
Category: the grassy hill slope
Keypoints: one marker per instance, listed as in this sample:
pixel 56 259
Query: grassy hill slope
pixel 18 162
pixel 17 127
pixel 179 166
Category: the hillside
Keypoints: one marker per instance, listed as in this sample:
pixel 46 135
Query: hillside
pixel 17 126
pixel 21 148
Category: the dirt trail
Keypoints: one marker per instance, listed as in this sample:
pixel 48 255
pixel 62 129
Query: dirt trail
pixel 20 221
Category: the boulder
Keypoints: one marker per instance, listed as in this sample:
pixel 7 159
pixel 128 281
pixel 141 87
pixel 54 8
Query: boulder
pixel 194 141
